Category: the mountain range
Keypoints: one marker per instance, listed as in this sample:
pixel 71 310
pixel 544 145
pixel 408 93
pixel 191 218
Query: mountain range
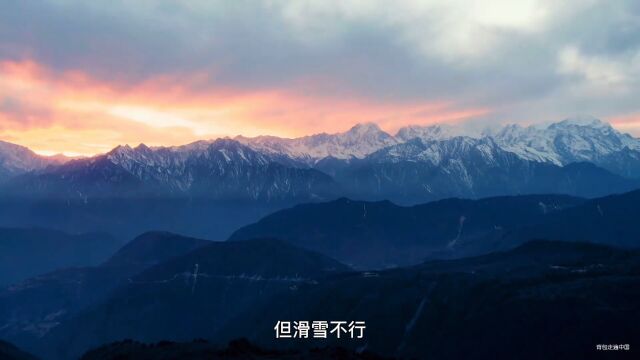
pixel 370 235
pixel 437 236
pixel 466 306
pixel 415 165
pixel 147 292
pixel 30 309
pixel 17 160
pixel 568 296
pixel 457 271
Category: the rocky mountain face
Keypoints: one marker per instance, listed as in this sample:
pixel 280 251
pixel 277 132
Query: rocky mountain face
pixel 424 170
pixel 579 139
pixel 360 141
pixel 16 160
pixel 582 139
pixel 223 170
pixel 581 157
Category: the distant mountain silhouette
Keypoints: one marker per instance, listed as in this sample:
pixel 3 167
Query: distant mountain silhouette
pixel 25 252
pixel 154 247
pixel 568 296
pixel 30 309
pixel 190 296
pixel 126 218
pixel 382 234
pixel 609 220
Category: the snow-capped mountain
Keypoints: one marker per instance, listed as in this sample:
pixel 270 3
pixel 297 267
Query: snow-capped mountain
pixel 437 152
pixel 358 142
pixel 223 169
pixel 571 140
pixel 418 163
pixel 433 132
pixel 424 170
pixel 16 159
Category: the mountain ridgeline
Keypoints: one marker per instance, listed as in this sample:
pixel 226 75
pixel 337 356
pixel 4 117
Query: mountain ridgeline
pixel 31 308
pixel 381 234
pixel 446 242
pixel 208 189
pixel 465 307
pixel 189 295
pixel 568 296
pixel 580 157
pixel 455 271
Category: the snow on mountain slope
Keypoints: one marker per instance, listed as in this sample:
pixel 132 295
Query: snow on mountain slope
pixel 571 140
pixel 434 132
pixel 576 139
pixel 358 142
pixel 436 151
pixel 580 139
pixel 16 159
pixel 225 169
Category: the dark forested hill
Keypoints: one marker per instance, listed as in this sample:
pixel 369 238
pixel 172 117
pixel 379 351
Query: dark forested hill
pixel 382 234
pixel 568 296
pixel 192 295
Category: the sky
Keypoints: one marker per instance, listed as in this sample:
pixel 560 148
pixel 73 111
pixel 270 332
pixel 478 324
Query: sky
pixel 80 77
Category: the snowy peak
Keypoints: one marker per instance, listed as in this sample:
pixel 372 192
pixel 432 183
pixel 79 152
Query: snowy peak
pixel 437 151
pixel 357 142
pixel 226 150
pixel 365 130
pixel 582 121
pixel 361 140
pixel 16 159
pixel 432 132
pixel 582 138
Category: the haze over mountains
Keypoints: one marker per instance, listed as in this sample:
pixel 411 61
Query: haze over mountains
pixel 16 160
pixel 210 188
pixel 368 235
pixel 411 272
pixel 221 291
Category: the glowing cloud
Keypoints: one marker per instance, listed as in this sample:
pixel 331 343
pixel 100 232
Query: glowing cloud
pixel 79 115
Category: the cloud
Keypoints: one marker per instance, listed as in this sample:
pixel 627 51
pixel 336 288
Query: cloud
pixel 293 67
pixel 600 75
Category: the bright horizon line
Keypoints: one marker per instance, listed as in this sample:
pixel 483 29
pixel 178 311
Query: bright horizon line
pixel 461 125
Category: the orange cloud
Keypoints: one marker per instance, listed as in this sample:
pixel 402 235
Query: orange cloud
pixel 73 113
pixel 629 123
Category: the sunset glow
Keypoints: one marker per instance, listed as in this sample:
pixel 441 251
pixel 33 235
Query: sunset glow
pixel 73 114
pixel 83 77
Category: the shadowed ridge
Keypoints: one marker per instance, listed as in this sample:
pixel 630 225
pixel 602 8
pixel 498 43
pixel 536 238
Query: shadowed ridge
pixel 153 247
